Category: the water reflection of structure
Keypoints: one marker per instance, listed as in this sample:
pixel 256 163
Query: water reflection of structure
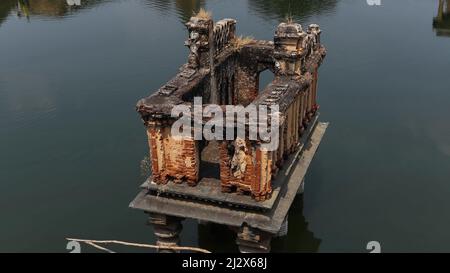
pixel 441 23
pixel 48 8
pixel 303 239
pixel 281 9
pixel 6 6
pixel 73 2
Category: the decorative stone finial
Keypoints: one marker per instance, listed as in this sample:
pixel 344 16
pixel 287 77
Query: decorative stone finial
pixel 288 52
pixel 200 28
pixel 314 31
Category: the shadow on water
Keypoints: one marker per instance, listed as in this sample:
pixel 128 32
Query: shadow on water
pixel 281 9
pixel 299 238
pixel 44 8
pixel 441 23
pixel 216 238
pixel 219 238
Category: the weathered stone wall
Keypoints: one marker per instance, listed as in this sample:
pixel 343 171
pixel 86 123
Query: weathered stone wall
pixel 225 75
pixel 247 85
pixel 175 159
pixel 253 59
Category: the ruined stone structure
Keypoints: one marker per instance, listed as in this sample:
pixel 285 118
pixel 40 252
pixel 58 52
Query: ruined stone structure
pixel 237 182
pixel 224 70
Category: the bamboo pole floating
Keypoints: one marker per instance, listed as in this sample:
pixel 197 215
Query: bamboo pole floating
pixel 95 242
pixel 100 247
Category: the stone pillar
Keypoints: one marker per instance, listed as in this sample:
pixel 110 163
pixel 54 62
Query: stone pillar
pixel 285 139
pixel 314 88
pixel 310 102
pixel 167 230
pixel 223 32
pixel 253 240
pixel 261 185
pixel 302 113
pixel 280 152
pixel 156 151
pixel 289 49
pixel 314 31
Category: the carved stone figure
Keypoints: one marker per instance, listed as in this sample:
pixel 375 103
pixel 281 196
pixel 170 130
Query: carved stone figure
pixel 239 160
pixel 194 44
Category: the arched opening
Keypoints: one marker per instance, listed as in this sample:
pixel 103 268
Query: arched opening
pixel 265 77
pixel 209 160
